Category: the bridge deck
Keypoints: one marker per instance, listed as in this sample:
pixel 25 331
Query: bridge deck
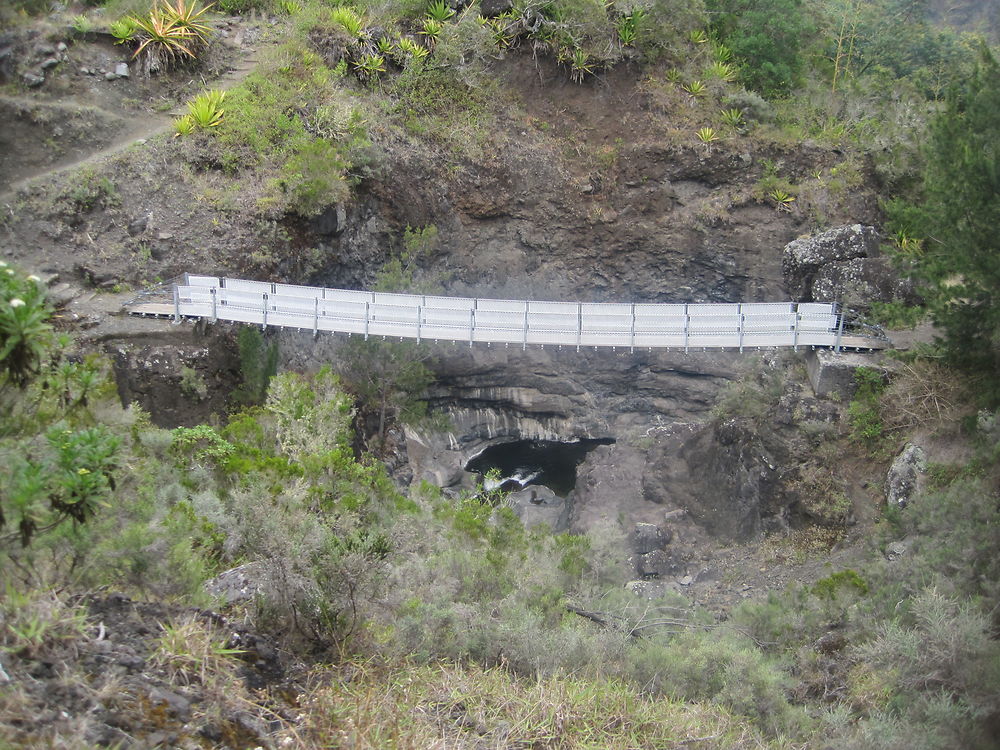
pixel 524 322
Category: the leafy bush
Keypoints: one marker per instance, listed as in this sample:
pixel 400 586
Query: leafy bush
pixel 68 479
pixel 945 669
pixel 25 333
pixel 767 37
pixel 313 178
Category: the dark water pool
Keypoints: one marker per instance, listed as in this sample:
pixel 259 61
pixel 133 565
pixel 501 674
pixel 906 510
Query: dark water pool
pixel 524 462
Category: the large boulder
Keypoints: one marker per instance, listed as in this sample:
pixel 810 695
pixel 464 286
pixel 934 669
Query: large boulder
pixel 803 258
pixel 902 480
pixel 858 282
pixel 494 8
pixel 536 505
pixel 648 537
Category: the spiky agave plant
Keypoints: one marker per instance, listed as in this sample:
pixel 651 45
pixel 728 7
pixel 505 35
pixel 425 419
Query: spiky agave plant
pixel 431 29
pixel 721 53
pixel 206 109
pixel 502 31
pixel 170 32
pixel 184 125
pixel 386 47
pixel 707 135
pixel 580 66
pixel 369 67
pixel 189 16
pixel 732 117
pixel 439 11
pixel 349 20
pixel 124 29
pixel 782 200
pixel 695 88
pixel 721 70
pixel 410 49
pixel 628 27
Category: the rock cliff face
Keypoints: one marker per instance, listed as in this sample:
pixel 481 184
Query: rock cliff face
pixel 179 382
pixel 720 473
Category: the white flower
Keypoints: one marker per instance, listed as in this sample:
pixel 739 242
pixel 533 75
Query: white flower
pixel 34 278
pixel 10 271
pixel 17 302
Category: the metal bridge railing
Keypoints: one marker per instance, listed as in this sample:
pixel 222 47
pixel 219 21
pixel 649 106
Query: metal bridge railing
pixel 524 322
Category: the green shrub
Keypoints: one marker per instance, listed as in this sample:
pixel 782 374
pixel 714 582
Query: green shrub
pixel 864 411
pixel 896 314
pixel 25 332
pixel 69 480
pixel 944 668
pixel 201 444
pixel 240 7
pixel 313 178
pixel 767 37
pixel 258 364
pixel 726 670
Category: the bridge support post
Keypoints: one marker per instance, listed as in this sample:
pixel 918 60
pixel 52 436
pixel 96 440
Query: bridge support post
pixel 215 300
pixel 739 323
pixel 315 317
pixel 687 328
pixel 631 347
pixel 420 314
pixel 177 303
pixel 263 326
pixel 368 317
pixel 472 323
pixel 795 330
pixel 840 328
pixel 524 334
pixel 579 324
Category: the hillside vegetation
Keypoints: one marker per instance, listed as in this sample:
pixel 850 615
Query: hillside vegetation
pixel 261 580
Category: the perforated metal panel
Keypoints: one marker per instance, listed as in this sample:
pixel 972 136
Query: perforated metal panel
pixel 702 325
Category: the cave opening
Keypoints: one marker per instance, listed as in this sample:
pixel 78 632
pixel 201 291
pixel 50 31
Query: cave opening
pixel 521 463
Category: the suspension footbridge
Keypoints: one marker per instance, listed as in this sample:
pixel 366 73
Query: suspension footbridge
pixel 510 322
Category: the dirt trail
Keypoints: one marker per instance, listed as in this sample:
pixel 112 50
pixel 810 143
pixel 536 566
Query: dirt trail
pixel 98 315
pixel 139 129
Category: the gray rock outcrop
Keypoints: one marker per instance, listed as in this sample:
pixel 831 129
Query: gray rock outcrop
pixel 720 473
pixel 494 8
pixel 856 283
pixel 903 478
pixel 648 537
pixel 803 258
pixel 538 505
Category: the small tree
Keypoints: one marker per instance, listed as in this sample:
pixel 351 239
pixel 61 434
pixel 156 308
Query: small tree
pixel 392 376
pixel 959 216
pixel 258 364
pixel 389 376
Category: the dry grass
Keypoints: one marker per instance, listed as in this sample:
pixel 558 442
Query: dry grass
pixel 924 395
pixel 453 706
